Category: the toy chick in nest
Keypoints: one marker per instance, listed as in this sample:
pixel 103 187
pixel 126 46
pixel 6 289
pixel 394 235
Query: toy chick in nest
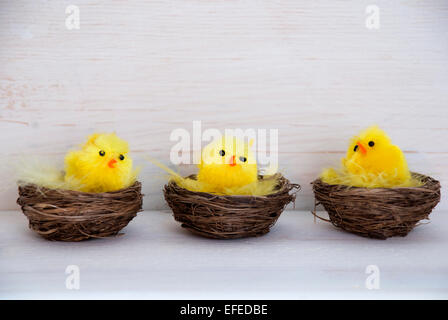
pixel 102 164
pixel 372 161
pixel 227 167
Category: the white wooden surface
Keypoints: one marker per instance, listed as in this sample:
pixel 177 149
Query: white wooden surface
pixel 143 68
pixel 157 259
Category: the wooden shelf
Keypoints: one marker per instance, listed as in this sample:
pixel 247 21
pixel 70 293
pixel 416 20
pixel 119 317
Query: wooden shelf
pixel 157 259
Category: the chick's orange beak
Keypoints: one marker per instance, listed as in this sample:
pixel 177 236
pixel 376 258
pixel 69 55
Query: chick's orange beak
pixel 361 147
pixel 112 163
pixel 232 161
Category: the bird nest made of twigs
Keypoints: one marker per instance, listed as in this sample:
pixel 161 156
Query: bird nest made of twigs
pixel 229 216
pixel 377 212
pixel 66 215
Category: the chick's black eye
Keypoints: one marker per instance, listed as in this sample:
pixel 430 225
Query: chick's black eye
pixel 243 159
pixel 356 148
pixel 222 153
pixel 121 157
pixel 371 143
pixel 102 153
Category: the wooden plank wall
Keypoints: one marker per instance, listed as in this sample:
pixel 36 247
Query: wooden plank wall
pixel 310 69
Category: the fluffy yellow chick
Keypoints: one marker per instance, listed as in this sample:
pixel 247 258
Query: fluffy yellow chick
pixel 101 165
pixel 372 161
pixel 227 167
pixel 227 163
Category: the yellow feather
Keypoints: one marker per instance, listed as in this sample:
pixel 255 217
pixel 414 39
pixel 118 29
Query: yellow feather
pixel 39 172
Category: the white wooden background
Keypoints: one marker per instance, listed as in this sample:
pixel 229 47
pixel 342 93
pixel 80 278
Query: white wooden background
pixel 143 68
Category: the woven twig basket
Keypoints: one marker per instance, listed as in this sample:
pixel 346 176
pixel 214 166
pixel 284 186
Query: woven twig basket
pixel 228 217
pixel 377 212
pixel 65 215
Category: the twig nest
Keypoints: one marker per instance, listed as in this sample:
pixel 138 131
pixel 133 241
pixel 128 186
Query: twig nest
pixel 228 216
pixel 65 215
pixel 378 212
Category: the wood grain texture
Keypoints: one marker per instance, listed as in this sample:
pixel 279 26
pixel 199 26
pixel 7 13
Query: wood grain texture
pixel 144 68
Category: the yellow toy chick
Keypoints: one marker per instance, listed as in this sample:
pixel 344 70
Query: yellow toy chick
pixel 227 163
pixel 101 165
pixel 372 161
pixel 227 167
